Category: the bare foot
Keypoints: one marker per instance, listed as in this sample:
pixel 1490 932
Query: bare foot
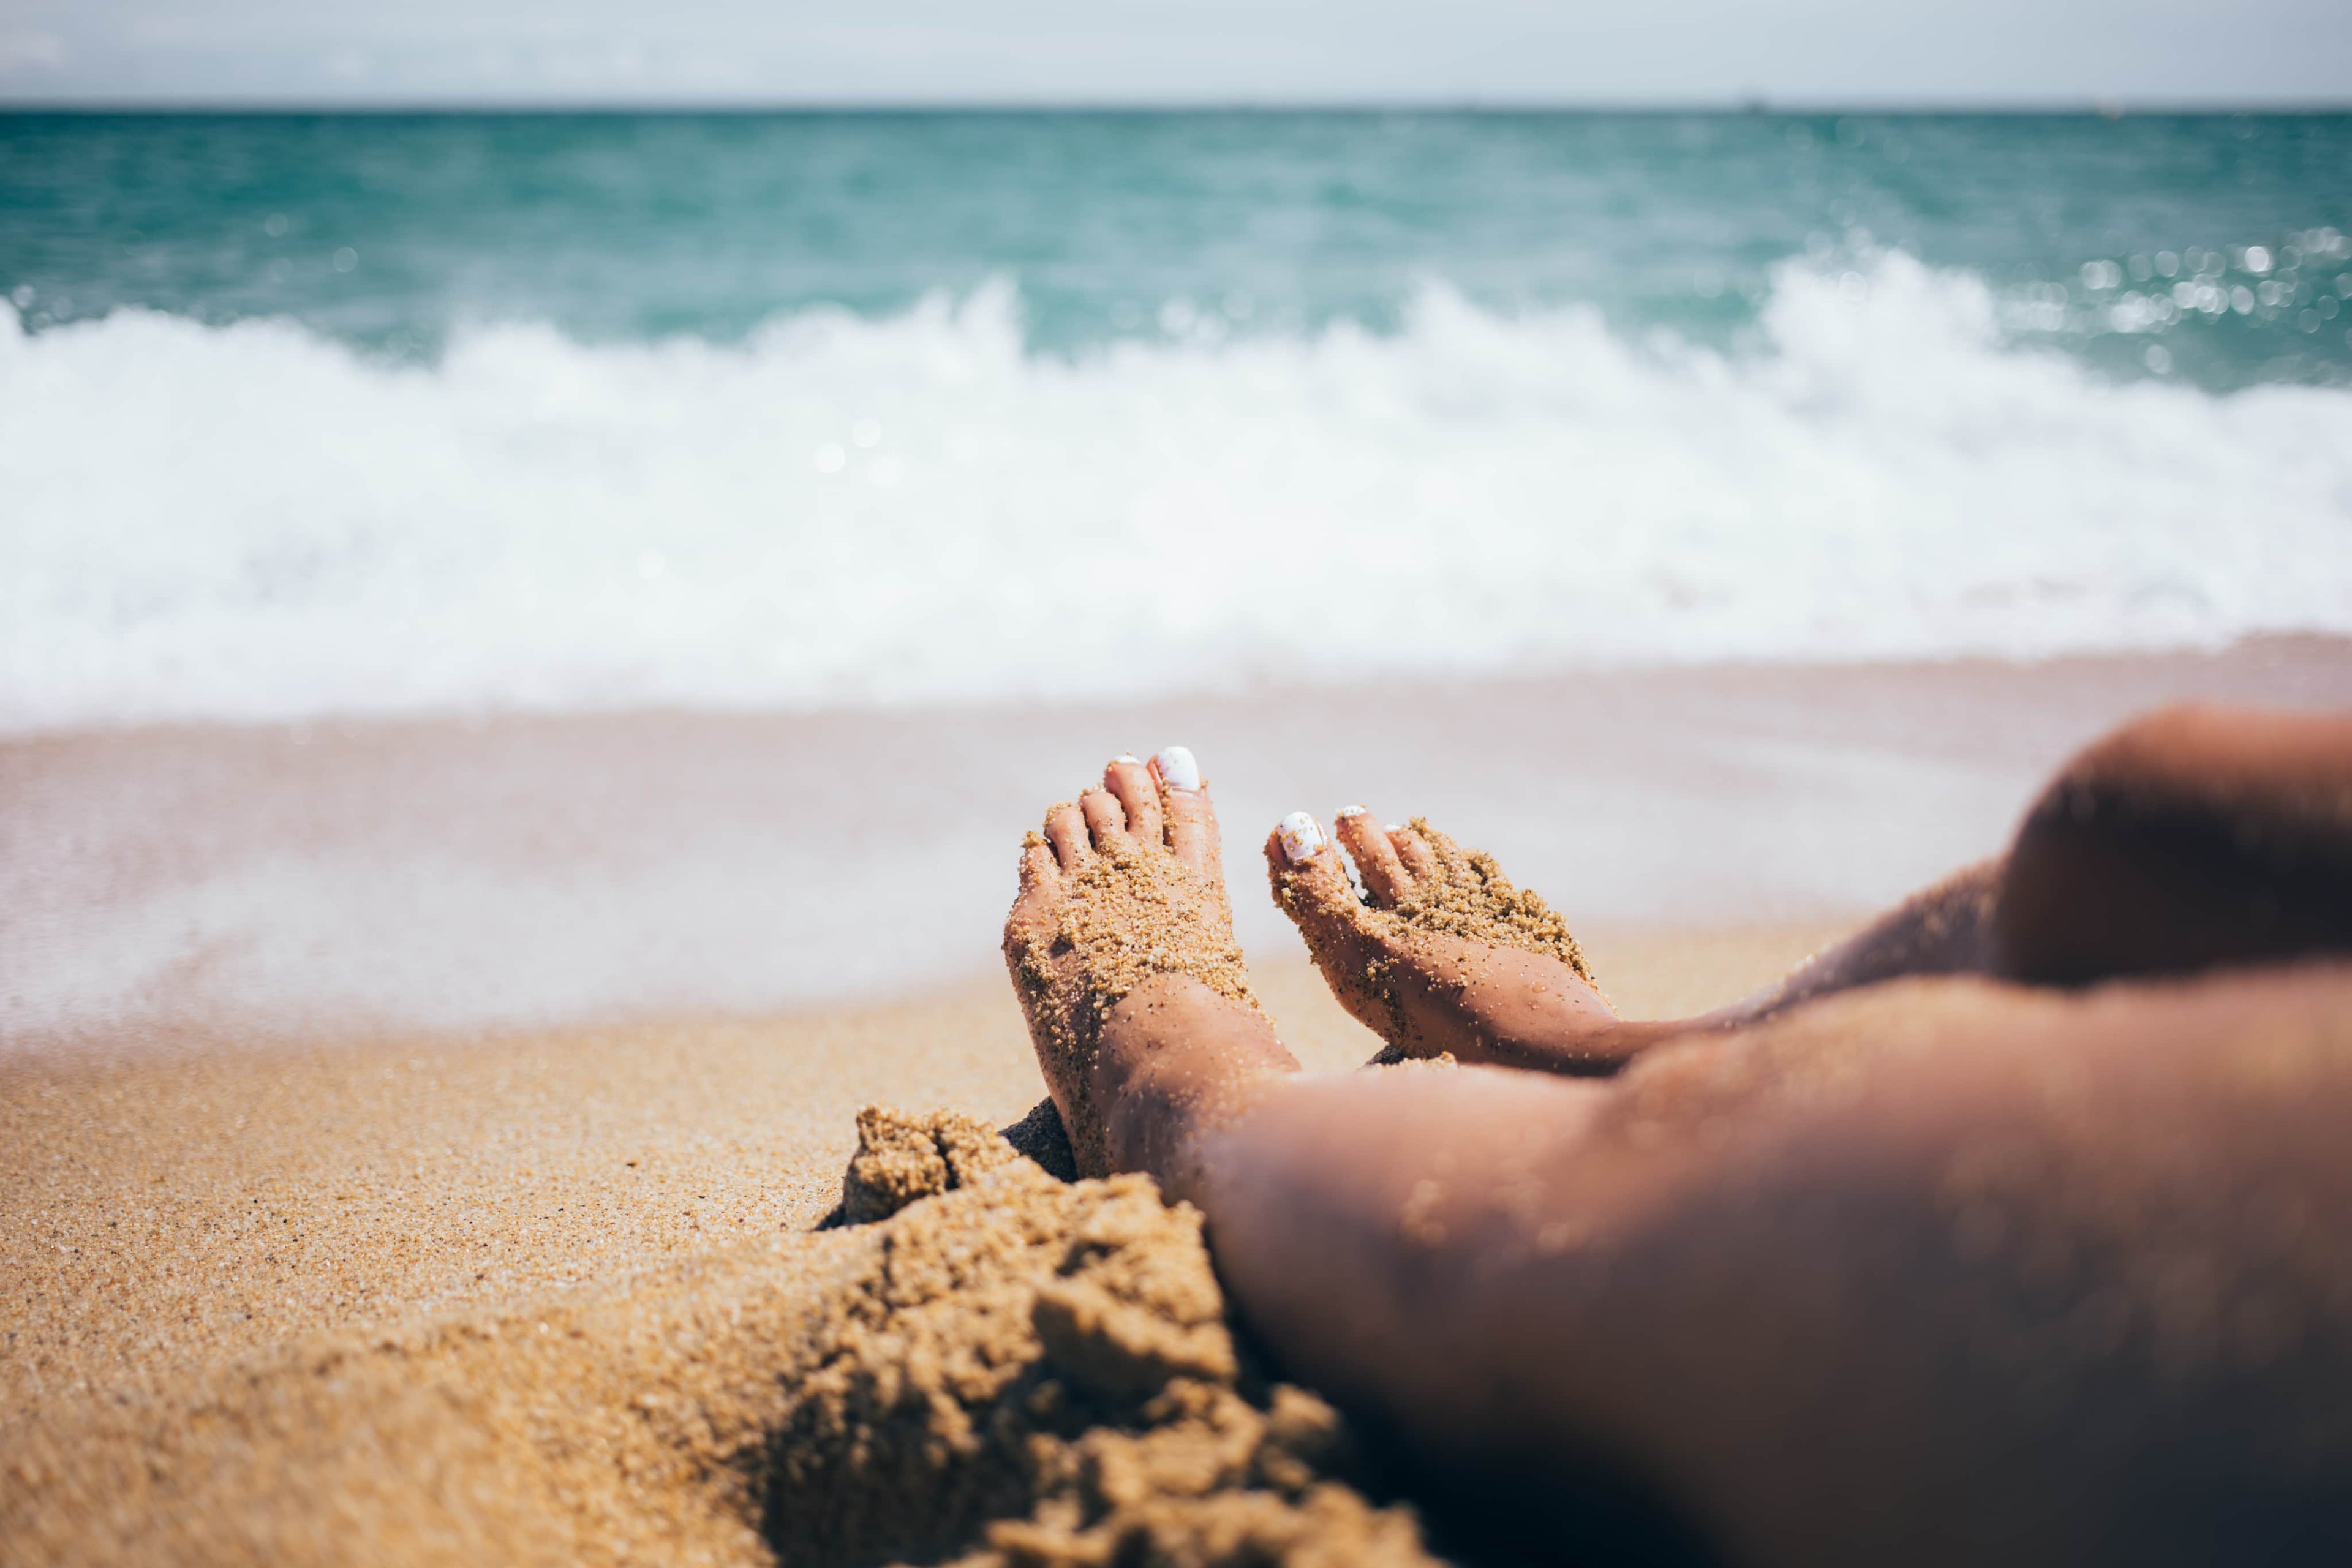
pixel 1121 949
pixel 1442 954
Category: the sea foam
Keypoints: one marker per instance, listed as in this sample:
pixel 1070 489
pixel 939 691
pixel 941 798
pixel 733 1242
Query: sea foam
pixel 252 521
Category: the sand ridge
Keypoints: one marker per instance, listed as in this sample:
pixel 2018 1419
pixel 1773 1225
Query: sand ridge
pixel 1050 1366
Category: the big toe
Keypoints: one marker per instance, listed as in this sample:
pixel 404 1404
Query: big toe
pixel 1309 882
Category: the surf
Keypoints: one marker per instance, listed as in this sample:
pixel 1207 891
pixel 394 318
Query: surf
pixel 255 521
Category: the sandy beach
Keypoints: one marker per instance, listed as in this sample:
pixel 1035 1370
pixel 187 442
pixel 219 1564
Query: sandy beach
pixel 306 1241
pixel 262 1220
pixel 177 1209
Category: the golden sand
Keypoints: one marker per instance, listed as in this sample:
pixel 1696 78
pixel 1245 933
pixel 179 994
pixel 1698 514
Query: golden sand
pixel 1031 1372
pixel 1476 901
pixel 545 1296
pixel 1045 1370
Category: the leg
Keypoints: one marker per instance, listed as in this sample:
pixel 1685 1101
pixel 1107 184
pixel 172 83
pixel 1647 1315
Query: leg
pixel 1443 956
pixel 1946 928
pixel 2193 837
pixel 1869 1284
pixel 1942 1270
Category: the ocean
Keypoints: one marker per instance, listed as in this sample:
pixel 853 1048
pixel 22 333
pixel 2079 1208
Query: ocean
pixel 362 414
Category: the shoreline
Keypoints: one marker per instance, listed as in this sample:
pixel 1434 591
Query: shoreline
pixel 355 880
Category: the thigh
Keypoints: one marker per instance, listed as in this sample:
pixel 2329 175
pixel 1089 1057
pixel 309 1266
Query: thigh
pixel 1942 1270
pixel 2195 838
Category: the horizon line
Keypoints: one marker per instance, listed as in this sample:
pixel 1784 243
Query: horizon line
pixel 2094 106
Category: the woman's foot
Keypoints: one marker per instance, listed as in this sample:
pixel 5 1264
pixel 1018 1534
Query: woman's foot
pixel 1440 955
pixel 1121 949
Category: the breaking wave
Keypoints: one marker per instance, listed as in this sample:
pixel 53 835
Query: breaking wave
pixel 253 522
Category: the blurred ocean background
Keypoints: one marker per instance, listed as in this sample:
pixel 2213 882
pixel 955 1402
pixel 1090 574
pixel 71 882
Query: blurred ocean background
pixel 463 413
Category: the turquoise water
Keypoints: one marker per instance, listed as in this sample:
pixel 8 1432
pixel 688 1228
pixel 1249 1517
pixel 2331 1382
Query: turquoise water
pixel 391 232
pixel 306 415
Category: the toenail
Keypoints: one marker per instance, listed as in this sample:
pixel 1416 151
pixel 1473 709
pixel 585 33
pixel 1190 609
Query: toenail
pixel 1124 757
pixel 1177 768
pixel 1301 835
pixel 1351 811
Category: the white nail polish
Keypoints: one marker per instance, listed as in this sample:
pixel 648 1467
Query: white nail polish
pixel 1124 757
pixel 1177 768
pixel 1351 811
pixel 1301 835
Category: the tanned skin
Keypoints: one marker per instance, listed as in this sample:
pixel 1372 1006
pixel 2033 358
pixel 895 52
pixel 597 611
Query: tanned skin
pixel 2016 1228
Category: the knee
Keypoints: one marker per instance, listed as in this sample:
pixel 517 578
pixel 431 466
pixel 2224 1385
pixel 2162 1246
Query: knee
pixel 2194 836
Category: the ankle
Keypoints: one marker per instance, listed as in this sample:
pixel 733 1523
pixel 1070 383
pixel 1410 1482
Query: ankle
pixel 1178 1059
pixel 1504 1006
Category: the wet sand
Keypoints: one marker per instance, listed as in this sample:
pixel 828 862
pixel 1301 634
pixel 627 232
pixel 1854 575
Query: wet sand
pixel 348 879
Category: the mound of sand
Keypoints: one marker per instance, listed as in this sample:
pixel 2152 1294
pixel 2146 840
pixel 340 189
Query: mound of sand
pixel 1001 1368
pixel 1048 1366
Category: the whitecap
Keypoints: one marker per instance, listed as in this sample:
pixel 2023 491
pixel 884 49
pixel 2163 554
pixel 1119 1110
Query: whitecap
pixel 252 521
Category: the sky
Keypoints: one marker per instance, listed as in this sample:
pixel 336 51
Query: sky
pixel 623 52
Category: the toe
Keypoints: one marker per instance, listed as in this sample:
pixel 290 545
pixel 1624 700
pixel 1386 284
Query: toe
pixel 1309 882
pixel 1192 817
pixel 1066 830
pixel 1413 851
pixel 1449 861
pixel 1041 883
pixel 1105 820
pixel 1376 857
pixel 1130 781
pixel 1039 876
